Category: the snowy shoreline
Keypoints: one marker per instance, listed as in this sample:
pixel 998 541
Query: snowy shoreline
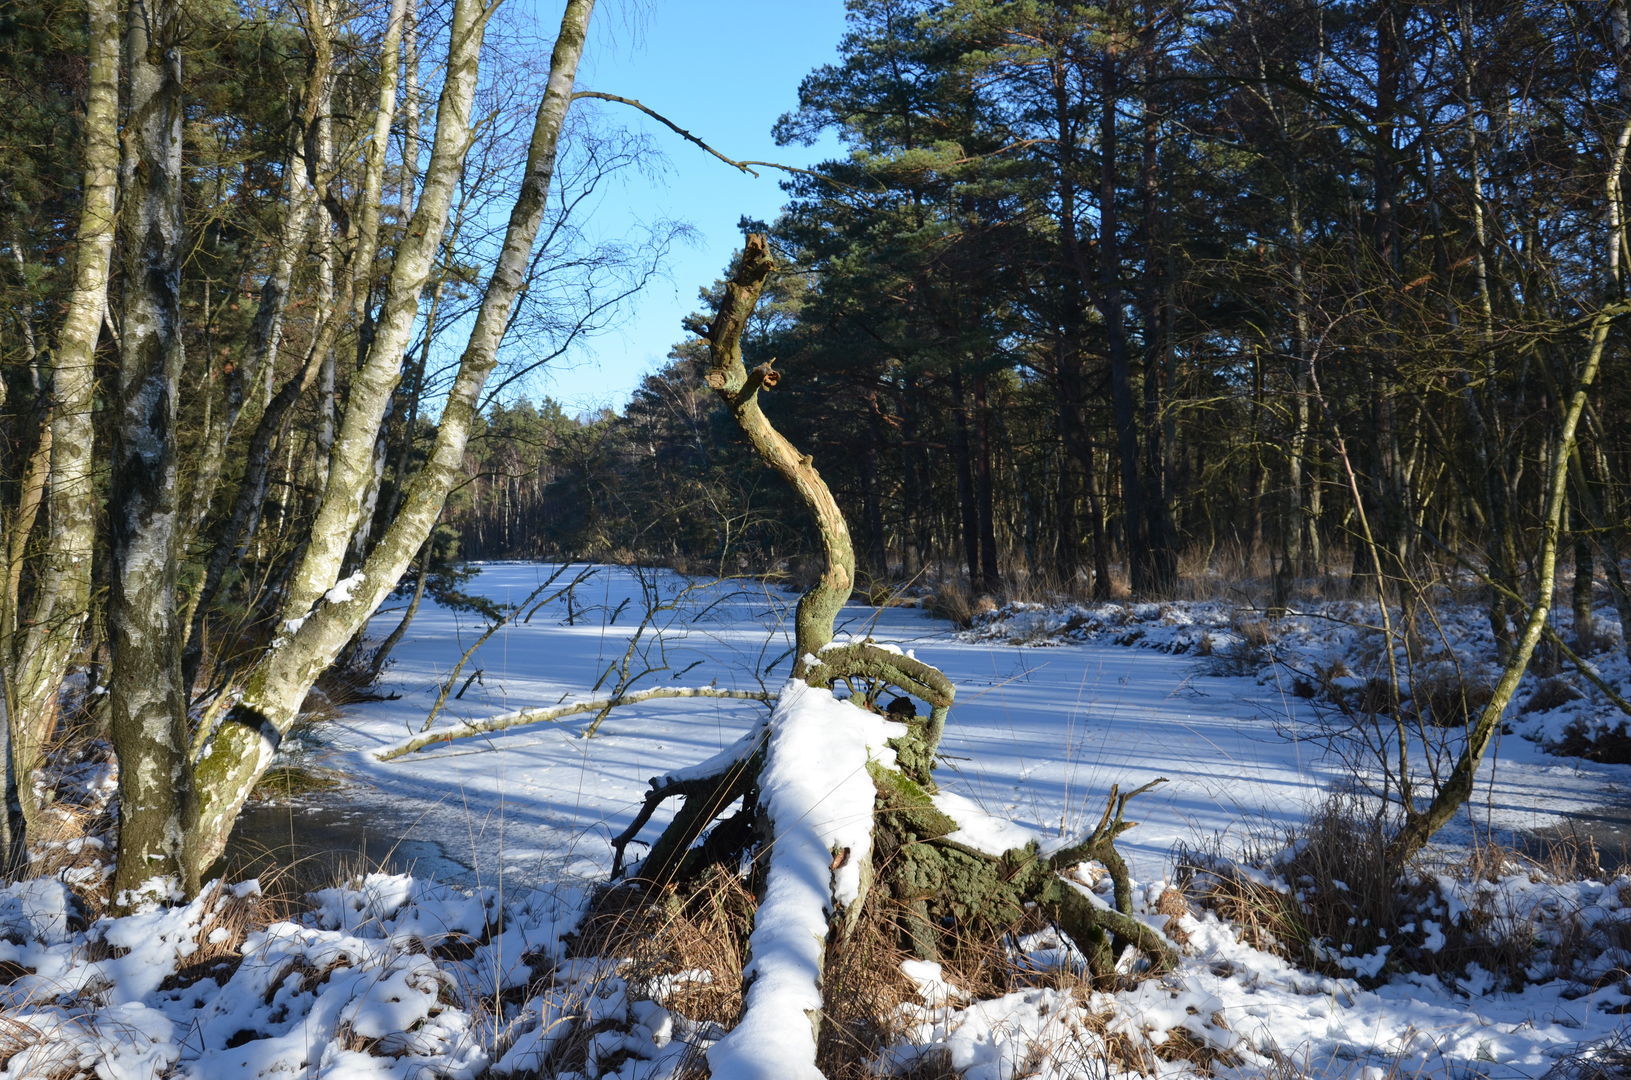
pixel 387 977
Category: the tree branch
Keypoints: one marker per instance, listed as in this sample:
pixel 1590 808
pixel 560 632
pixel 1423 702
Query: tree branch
pixel 744 166
pixel 506 721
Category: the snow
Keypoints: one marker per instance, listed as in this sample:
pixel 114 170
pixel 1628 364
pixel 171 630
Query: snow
pixel 819 796
pixel 343 590
pixel 980 830
pixel 360 966
pixel 393 976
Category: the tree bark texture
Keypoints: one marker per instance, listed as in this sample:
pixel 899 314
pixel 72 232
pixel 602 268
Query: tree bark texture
pixel 241 748
pixel 148 710
pixel 38 655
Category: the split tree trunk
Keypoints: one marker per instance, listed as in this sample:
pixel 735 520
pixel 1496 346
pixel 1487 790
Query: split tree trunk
pixel 351 461
pixel 242 747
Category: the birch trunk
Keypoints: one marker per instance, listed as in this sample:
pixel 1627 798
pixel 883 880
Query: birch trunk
pixel 1420 825
pixel 148 714
pixel 351 463
pixel 373 184
pixel 38 660
pixel 239 751
pixel 266 334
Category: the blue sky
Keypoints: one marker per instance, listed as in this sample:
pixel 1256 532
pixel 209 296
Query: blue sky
pixel 725 70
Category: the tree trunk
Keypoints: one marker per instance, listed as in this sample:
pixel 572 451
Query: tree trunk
pixel 1111 302
pixel 351 463
pixel 729 377
pixel 265 337
pixel 802 919
pixel 147 707
pixel 1420 825
pixel 240 749
pixel 38 657
pixel 962 457
pixel 1162 555
pixel 990 579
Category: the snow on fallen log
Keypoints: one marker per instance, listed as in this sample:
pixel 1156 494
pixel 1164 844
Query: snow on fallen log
pixel 818 796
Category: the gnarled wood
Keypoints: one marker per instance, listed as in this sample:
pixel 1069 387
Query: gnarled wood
pixel 933 878
pixel 728 376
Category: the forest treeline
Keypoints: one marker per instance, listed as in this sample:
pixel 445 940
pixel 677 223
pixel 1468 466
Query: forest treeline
pixel 1102 293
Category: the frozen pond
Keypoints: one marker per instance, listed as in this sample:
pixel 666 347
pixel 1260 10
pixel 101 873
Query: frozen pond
pixel 1038 734
pixel 328 840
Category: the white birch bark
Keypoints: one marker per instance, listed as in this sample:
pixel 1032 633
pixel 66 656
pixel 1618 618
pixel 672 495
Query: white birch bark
pixel 147 708
pixel 39 661
pixel 351 462
pixel 239 751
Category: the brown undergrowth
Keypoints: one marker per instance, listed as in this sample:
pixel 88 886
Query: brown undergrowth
pixel 1326 897
pixel 685 953
pixel 682 952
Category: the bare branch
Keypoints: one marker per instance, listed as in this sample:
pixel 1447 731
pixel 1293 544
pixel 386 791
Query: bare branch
pixel 744 166
pixel 504 721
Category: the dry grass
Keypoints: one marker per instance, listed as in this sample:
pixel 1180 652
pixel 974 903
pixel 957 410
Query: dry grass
pixel 650 938
pixel 292 780
pixel 1609 1059
pixel 1611 745
pixel 1248 655
pixel 15 1037
pixel 1447 696
pixel 227 919
pixel 864 990
pixel 1549 693
pixel 1329 891
pixel 953 601
pixel 685 954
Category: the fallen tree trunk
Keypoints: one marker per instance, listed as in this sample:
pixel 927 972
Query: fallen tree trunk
pixel 828 801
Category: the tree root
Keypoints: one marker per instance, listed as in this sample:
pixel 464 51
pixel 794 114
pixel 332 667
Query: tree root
pixel 889 667
pixel 938 879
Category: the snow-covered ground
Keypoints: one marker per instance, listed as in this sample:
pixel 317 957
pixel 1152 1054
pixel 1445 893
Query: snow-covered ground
pixel 365 988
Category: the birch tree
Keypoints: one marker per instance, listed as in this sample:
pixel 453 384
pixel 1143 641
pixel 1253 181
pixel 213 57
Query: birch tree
pixel 185 766
pixel 37 647
pixel 149 714
pixel 321 613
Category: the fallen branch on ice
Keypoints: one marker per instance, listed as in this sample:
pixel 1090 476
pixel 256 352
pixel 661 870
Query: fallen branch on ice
pixel 505 721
